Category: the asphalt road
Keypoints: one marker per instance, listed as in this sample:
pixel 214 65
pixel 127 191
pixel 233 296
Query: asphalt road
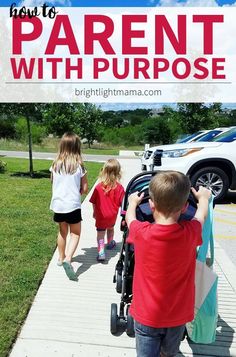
pixel 225 225
pixel 225 212
pixel 51 156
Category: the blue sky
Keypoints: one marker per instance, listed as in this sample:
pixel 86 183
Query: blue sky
pixel 122 3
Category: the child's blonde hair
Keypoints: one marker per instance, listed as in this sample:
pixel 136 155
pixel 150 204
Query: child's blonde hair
pixel 110 174
pixel 69 156
pixel 169 191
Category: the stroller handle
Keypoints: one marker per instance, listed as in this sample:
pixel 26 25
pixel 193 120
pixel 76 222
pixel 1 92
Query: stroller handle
pixel 141 174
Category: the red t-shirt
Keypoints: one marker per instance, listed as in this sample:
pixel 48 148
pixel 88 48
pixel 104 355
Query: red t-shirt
pixel 107 205
pixel 163 284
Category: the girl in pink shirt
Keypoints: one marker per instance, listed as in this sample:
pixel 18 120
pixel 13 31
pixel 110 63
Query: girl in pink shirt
pixel 106 199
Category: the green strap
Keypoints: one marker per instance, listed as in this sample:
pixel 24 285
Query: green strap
pixel 207 236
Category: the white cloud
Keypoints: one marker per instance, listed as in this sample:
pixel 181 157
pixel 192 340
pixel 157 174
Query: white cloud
pixel 32 3
pixel 190 3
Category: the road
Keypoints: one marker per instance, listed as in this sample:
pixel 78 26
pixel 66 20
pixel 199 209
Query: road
pixel 51 156
pixel 225 213
pixel 225 225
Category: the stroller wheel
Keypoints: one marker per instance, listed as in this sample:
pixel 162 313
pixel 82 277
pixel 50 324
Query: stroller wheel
pixel 130 325
pixel 118 283
pixel 114 319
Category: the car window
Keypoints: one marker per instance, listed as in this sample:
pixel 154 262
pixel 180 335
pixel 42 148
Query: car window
pixel 189 137
pixel 209 136
pixel 226 137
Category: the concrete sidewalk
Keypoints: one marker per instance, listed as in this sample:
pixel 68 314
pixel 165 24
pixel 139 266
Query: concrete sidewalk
pixel 72 319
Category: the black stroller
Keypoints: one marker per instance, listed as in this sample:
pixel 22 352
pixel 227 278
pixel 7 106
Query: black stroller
pixel 123 277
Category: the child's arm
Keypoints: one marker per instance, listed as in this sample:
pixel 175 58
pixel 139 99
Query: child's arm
pixel 202 195
pixel 134 200
pixel 84 185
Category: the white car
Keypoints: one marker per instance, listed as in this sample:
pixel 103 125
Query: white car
pixel 210 164
pixel 202 135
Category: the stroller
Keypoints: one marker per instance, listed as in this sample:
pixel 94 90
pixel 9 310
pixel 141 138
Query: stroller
pixel 123 277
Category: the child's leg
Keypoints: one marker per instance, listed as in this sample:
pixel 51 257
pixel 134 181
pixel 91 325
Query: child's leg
pixel 110 238
pixel 101 244
pixel 148 340
pixel 110 234
pixel 75 230
pixel 61 239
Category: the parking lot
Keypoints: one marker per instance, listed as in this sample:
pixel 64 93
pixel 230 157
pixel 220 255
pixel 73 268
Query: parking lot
pixel 225 225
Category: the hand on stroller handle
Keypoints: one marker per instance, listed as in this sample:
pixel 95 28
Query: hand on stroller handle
pixel 136 198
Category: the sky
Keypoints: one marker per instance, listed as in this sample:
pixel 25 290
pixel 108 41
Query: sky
pixel 120 3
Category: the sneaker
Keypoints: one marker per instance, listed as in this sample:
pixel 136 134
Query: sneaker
pixel 111 245
pixel 69 271
pixel 101 257
pixel 59 263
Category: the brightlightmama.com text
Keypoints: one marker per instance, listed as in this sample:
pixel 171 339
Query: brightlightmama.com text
pixel 108 92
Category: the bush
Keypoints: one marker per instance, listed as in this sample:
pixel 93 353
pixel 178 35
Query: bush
pixel 127 136
pixel 7 127
pixel 38 132
pixel 2 166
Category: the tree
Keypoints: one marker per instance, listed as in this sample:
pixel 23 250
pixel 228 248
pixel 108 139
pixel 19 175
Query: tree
pixel 30 111
pixel 60 118
pixel 156 131
pixel 89 119
pixel 193 116
pixel 198 116
pixel 172 117
pixel 7 126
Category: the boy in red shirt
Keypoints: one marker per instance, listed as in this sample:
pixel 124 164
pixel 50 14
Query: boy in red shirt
pixel 165 258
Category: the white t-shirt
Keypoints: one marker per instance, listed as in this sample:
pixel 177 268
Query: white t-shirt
pixel 66 195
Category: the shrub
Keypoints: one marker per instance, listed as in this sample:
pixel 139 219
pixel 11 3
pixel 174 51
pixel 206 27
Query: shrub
pixel 2 166
pixel 127 136
pixel 7 127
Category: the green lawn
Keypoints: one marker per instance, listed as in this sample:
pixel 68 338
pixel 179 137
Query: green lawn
pixel 27 241
pixel 50 145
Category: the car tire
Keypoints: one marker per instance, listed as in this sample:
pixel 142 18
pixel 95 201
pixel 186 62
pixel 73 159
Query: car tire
pixel 214 178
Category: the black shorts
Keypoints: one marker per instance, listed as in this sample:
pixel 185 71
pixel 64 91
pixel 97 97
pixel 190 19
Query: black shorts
pixel 70 218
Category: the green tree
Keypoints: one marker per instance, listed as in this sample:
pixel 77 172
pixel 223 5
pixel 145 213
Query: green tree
pixel 172 117
pixel 7 126
pixel 89 119
pixel 193 116
pixel 60 118
pixel 197 116
pixel 31 112
pixel 156 131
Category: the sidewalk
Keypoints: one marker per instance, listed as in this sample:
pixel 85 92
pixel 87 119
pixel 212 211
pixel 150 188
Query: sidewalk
pixel 72 319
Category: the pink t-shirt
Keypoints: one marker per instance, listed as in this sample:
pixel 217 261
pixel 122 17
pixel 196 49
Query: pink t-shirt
pixel 163 284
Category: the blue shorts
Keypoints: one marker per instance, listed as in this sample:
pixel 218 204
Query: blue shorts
pixel 151 341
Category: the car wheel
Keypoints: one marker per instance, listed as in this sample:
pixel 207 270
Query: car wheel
pixel 213 178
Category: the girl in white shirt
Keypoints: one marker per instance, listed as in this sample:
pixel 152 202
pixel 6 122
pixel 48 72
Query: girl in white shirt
pixel 69 182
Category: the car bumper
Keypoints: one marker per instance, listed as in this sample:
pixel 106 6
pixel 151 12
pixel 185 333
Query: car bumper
pixel 147 164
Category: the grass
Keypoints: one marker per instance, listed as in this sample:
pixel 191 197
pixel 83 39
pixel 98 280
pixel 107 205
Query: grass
pixel 27 240
pixel 51 145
